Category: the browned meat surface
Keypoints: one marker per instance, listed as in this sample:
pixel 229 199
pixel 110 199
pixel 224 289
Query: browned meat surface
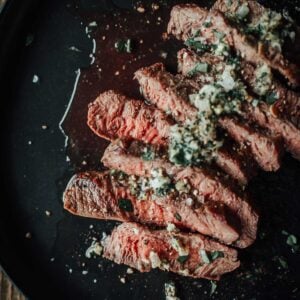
pixel 287 107
pixel 290 50
pixel 267 151
pixel 264 115
pixel 102 196
pixel 168 92
pixel 208 186
pixel 188 19
pixel 159 88
pixel 113 115
pixel 185 254
pixel 233 160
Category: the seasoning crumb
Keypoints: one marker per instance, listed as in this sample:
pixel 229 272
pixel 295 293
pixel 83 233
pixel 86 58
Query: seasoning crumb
pixel 141 9
pixel 28 235
pixel 73 48
pixel 117 73
pixel 91 226
pixel 84 272
pixel 95 280
pixel 155 6
pixel 94 248
pixel 48 213
pixel 44 127
pixel 123 280
pixel 170 291
pixel 52 259
pixel 67 158
pixel 29 142
pixel 129 271
pixel 141 41
pixel 84 163
pixel 163 55
pixel 93 24
pixel 70 271
pixel 35 79
pixel 103 37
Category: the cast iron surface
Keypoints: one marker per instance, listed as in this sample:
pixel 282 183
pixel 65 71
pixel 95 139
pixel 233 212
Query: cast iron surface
pixel 35 172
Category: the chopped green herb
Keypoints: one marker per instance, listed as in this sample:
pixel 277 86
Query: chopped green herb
pixel 284 232
pixel 271 98
pixel 182 259
pixel 178 216
pixel 207 24
pixel 148 154
pixel 205 256
pixel 291 240
pixel 216 254
pixel 124 46
pixel 213 287
pixel 196 44
pixel 209 257
pixel 125 204
pixel 283 262
pixel 199 68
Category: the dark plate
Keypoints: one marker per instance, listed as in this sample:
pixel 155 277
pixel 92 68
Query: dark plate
pixel 35 172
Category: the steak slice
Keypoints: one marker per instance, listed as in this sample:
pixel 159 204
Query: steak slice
pixel 112 116
pixel 103 196
pixel 290 48
pixel 263 114
pixel 208 187
pixel 168 93
pixel 264 117
pixel 186 20
pixel 267 151
pixel 182 253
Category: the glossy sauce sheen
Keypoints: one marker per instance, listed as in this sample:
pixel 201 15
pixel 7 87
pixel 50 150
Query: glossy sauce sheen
pixel 114 70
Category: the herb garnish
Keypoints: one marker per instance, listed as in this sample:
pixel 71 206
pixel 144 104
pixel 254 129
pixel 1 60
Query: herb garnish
pixel 124 46
pixel 195 43
pixel 182 259
pixel 199 68
pixel 213 287
pixel 148 154
pixel 177 216
pixel 209 257
pixel 125 204
pixel 271 98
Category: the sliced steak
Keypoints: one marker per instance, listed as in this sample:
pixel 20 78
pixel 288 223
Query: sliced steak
pixel 233 160
pixel 208 187
pixel 186 20
pixel 263 114
pixel 169 93
pixel 112 115
pixel 182 253
pixel 267 151
pixel 103 196
pixel 290 48
pixel 265 118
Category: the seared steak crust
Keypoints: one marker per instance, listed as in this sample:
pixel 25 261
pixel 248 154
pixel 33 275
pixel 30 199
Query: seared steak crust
pixel 144 250
pixel 188 19
pixel 209 187
pixel 112 115
pixel 101 196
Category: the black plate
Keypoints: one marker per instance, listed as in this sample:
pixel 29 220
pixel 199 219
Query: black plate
pixel 35 172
